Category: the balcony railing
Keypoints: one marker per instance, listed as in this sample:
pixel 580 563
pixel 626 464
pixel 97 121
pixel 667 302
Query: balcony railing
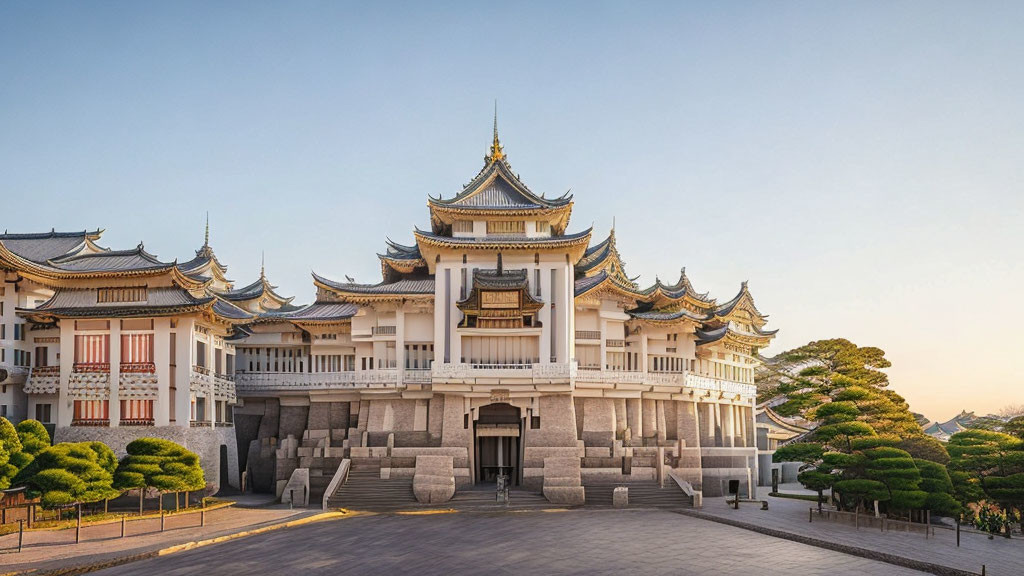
pixel 416 375
pixel 701 382
pixel 97 422
pixel 136 422
pixel 384 330
pixel 615 343
pixel 91 367
pixel 610 376
pixel 138 368
pixel 43 371
pixel 588 334
pixel 264 381
pixel 535 371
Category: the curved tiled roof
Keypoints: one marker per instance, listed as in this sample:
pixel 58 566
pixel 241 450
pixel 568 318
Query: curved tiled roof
pixel 713 335
pixel 665 316
pixel 41 247
pixel 109 261
pixel 318 312
pixel 496 187
pixel 587 283
pixel 414 285
pixel 499 241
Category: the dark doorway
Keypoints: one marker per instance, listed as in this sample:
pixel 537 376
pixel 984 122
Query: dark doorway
pixel 498 446
pixel 223 467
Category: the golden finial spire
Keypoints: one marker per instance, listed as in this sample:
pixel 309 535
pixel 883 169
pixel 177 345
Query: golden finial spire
pixel 263 260
pixel 206 240
pixel 497 153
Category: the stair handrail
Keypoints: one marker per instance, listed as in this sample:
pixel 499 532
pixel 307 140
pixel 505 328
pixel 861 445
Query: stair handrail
pixel 685 486
pixel 339 478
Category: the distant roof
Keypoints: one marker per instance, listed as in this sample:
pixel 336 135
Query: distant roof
pixel 666 316
pixel 110 261
pixel 317 312
pixel 253 291
pixel 413 285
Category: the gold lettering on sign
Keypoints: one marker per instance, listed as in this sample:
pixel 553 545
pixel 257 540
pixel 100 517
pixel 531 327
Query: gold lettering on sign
pixel 504 299
pixel 499 395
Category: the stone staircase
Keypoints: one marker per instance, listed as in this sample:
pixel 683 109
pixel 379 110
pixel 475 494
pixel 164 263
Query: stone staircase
pixel 365 490
pixel 483 499
pixel 642 494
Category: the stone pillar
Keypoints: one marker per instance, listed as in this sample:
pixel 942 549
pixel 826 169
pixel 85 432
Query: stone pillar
pixel 114 405
pixel 635 419
pixel 544 352
pixel 659 411
pixel 603 327
pixel 650 428
pixel 719 430
pixel 162 361
pixel 65 405
pixel 689 429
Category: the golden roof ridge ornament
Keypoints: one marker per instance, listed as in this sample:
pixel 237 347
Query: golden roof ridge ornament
pixel 497 152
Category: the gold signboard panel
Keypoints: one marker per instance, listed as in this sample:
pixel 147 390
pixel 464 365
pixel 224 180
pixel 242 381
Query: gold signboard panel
pixel 504 299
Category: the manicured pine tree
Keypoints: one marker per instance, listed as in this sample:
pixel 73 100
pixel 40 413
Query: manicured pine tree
pixel 34 437
pixel 71 473
pixel 12 457
pixel 160 464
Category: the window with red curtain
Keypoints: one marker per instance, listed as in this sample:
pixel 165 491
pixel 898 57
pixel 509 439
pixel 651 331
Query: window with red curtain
pixel 92 350
pixel 137 352
pixel 91 410
pixel 136 411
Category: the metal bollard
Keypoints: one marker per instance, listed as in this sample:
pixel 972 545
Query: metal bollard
pixel 21 534
pixel 958 531
pixel 162 520
pixel 78 526
pixel 202 517
pixel 810 514
pixel 122 525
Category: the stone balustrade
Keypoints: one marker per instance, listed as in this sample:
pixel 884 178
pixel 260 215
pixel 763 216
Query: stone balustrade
pixel 466 371
pixel 271 381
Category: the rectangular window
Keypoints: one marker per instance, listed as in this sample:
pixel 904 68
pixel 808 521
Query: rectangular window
pixel 43 413
pixel 463 226
pixel 543 227
pixel 136 349
pixel 136 412
pixel 506 227
pixel 91 412
pixel 92 349
pixel 536 282
pixel 127 294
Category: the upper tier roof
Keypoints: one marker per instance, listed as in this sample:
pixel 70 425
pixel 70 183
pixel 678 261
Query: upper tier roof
pixel 110 261
pixel 415 285
pixel 41 247
pixel 496 187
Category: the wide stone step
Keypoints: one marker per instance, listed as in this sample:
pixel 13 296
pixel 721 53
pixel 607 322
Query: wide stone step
pixel 641 495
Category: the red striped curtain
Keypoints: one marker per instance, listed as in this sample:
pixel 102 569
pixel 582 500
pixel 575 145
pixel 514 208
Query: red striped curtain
pixel 136 348
pixel 91 410
pixel 92 349
pixel 136 409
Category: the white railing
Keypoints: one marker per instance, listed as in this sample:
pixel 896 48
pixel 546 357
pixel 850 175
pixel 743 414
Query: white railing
pixel 263 381
pixel 468 371
pixel 416 375
pixel 610 376
pixel 700 382
pixel 224 387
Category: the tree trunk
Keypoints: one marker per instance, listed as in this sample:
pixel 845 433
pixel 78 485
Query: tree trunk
pixel 160 496
pixel 186 499
pixel 876 509
pixel 176 505
pixel 142 493
pixel 106 505
pixel 820 496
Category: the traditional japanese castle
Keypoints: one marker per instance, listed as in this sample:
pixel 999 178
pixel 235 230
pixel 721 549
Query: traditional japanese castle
pixel 500 342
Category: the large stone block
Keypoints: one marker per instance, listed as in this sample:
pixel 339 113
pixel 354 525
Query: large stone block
pixel 434 481
pixel 565 495
pixel 620 497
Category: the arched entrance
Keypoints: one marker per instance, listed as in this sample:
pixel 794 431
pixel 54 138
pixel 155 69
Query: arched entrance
pixel 498 443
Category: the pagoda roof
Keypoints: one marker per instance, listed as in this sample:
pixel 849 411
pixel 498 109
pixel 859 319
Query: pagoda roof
pixel 604 257
pixel 317 312
pixel 492 278
pixel 496 187
pixel 399 259
pixel 417 285
pixel 742 300
pixel 230 311
pixel 574 242
pixel 81 303
pixel 136 259
pixel 41 247
pixel 709 336
pixel 666 315
pixel 258 289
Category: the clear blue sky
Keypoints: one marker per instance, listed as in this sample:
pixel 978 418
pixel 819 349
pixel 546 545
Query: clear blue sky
pixel 859 163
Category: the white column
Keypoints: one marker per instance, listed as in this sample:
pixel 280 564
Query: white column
pixel 643 351
pixel 400 344
pixel 544 353
pixel 211 402
pixel 162 361
pixel 65 406
pixel 603 326
pixel 183 372
pixel 114 405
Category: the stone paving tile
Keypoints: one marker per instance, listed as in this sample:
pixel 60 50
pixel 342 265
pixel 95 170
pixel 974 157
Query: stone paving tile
pixel 53 549
pixel 1001 556
pixel 635 542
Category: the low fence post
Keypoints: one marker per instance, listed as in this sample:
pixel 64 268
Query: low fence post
pixel 810 514
pixel 122 525
pixel 958 530
pixel 78 526
pixel 202 513
pixel 21 534
pixel 162 520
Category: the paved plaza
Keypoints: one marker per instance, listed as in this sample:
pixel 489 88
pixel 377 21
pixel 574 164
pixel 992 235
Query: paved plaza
pixel 569 542
pixel 1000 556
